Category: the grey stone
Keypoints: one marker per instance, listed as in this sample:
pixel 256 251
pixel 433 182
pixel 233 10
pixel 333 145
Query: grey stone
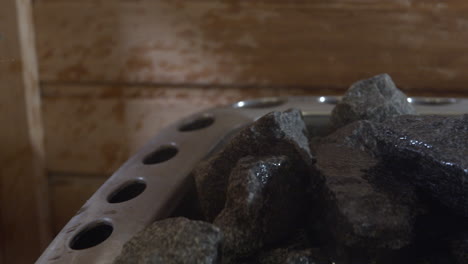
pixel 174 240
pixel 266 202
pixel 375 99
pixel 357 213
pixel 360 135
pixel 431 151
pixel 277 133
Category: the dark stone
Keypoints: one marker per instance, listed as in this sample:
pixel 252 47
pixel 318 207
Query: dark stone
pixel 277 133
pixel 428 153
pixel 291 256
pixel 266 202
pixel 353 212
pixel 459 247
pixel 299 248
pixel 375 99
pixel 442 238
pixel 431 152
pixel 366 256
pixel 174 240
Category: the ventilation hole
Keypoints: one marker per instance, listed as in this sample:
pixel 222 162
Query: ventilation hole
pixel 127 192
pixel 198 123
pixel 260 103
pixel 432 101
pixel 92 235
pixel 161 155
pixel 328 99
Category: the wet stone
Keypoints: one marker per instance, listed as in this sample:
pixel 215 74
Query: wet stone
pixel 266 202
pixel 431 151
pixel 277 133
pixel 353 211
pixel 174 240
pixel 375 99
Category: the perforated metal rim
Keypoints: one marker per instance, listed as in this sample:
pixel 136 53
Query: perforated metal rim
pixel 268 102
pixel 432 101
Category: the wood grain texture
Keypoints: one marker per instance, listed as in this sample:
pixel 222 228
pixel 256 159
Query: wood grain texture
pixel 422 44
pixel 94 129
pixel 24 219
pixel 68 193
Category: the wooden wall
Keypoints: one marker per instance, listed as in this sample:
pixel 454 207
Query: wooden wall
pixel 115 72
pixel 319 43
pixel 24 223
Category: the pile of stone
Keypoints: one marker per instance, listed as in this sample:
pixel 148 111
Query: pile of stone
pixel 387 186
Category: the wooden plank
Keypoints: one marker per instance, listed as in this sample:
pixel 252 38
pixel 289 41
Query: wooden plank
pixel 312 44
pixel 94 129
pixel 68 193
pixel 24 226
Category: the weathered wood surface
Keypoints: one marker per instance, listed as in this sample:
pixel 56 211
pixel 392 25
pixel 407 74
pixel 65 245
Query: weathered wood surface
pixel 94 129
pixel 422 44
pixel 68 193
pixel 24 221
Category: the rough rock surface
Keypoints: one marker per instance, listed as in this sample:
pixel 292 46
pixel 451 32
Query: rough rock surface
pixel 289 256
pixel 266 201
pixel 277 133
pixel 431 151
pixel 355 212
pixel 174 240
pixel 375 99
pixel 298 249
